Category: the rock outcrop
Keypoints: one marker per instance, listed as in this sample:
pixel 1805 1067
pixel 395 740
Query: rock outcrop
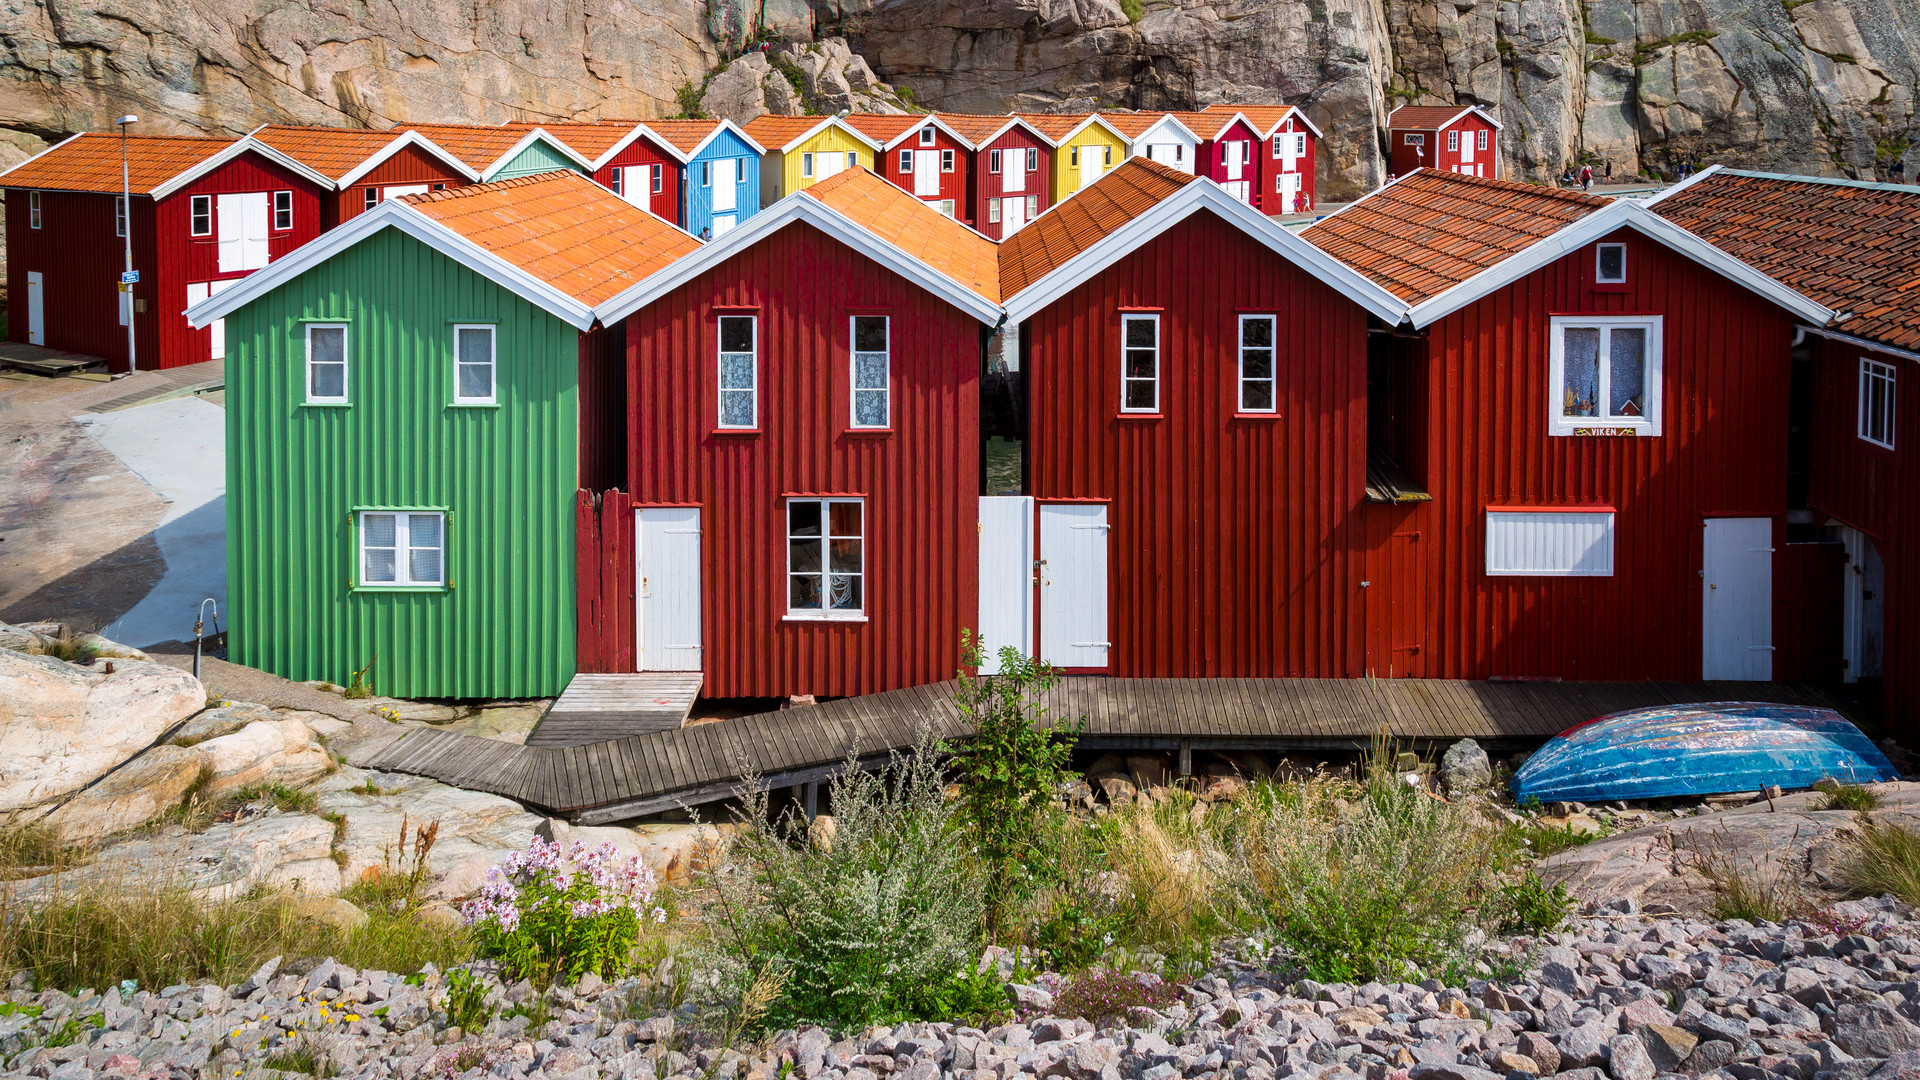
pixel 64 725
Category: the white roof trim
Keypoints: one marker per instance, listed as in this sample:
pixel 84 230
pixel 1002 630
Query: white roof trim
pixel 797 207
pixel 1865 344
pixel 1204 194
pixel 1684 184
pixel 537 134
pixel 1169 118
pixel 1451 120
pixel 1228 122
pixel 626 140
pixel 397 214
pixel 41 154
pixel 724 125
pixel 1012 122
pixel 1094 118
pixel 930 118
pixel 406 139
pixel 1616 215
pixel 1293 112
pixel 831 121
pixel 240 146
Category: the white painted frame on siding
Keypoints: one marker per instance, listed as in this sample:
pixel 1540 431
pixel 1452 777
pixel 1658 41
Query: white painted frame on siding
pixel 825 612
pixel 306 369
pixel 720 354
pixel 1273 366
pixel 1559 424
pixel 403 548
pixel 1599 261
pixel 493 364
pixel 1126 319
pixel 1568 541
pixel 1871 371
pixel 854 389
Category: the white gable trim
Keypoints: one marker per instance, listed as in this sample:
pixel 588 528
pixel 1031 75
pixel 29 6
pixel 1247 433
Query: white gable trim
pixel 536 135
pixel 1684 184
pixel 831 121
pixel 795 208
pixel 1204 194
pixel 1175 121
pixel 626 140
pixel 240 146
pixel 724 125
pixel 395 214
pixel 1088 122
pixel 410 138
pixel 1618 214
pixel 929 118
pixel 1866 344
pixel 1450 121
pixel 1013 122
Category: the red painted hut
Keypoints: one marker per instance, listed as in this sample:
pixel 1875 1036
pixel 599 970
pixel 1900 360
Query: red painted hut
pixel 631 160
pixel 1290 151
pixel 803 448
pixel 1451 138
pixel 923 156
pixel 1854 479
pixel 1578 438
pixel 366 167
pixel 205 212
pixel 1230 153
pixel 1008 176
pixel 1196 437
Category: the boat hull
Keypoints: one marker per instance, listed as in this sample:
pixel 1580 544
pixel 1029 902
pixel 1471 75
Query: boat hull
pixel 1707 749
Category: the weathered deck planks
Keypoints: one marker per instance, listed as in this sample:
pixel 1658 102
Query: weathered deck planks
pixel 609 779
pixel 599 707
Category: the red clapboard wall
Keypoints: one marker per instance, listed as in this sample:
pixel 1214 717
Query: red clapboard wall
pixel 636 161
pixel 80 258
pixel 920 479
pixel 1232 551
pixel 603 535
pixel 409 165
pixel 1483 374
pixel 951 182
pixel 988 185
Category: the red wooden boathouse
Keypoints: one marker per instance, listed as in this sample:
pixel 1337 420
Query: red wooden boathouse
pixel 1289 153
pixel 1451 138
pixel 631 160
pixel 205 212
pixel 802 449
pixel 366 167
pixel 1008 175
pixel 923 156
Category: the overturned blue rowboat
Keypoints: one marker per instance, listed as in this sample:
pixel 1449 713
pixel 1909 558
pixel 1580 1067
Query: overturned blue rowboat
pixel 1706 749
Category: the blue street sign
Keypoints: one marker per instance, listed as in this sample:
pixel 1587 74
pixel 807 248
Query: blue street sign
pixel 128 277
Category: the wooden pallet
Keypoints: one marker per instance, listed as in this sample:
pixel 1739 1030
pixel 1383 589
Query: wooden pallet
pixel 600 708
pixel 39 360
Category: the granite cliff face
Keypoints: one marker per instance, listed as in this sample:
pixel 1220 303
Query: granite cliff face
pixel 1815 86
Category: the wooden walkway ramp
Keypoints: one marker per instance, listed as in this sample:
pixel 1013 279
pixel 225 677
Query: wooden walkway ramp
pixel 601 708
pixel 644 774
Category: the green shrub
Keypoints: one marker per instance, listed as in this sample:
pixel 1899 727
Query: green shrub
pixel 549 913
pixel 878 925
pixel 1880 859
pixel 1133 10
pixel 1537 839
pixel 1530 906
pixel 466 1001
pixel 1841 796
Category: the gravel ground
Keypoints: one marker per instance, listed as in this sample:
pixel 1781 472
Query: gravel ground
pixel 1621 995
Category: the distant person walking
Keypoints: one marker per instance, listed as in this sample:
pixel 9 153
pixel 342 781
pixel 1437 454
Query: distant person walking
pixel 1897 172
pixel 1609 172
pixel 1586 178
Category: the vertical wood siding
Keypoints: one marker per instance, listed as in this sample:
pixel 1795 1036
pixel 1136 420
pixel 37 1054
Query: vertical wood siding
pixel 1404 160
pixel 79 259
pixel 1307 166
pixel 953 185
pixel 505 625
pixel 1232 550
pixel 1256 166
pixel 725 147
pixel 1722 451
pixel 539 156
pixel 988 185
pixel 408 165
pixel 920 480
pixel 642 153
pixel 604 531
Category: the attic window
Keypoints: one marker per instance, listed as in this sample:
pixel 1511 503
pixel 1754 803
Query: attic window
pixel 33 212
pixel 926 135
pixel 993 161
pixel 199 216
pixel 1411 139
pixel 1610 264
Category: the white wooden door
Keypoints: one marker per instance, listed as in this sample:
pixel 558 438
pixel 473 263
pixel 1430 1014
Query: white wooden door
pixel 1290 193
pixel 1738 599
pixel 36 308
pixel 1073 585
pixel 200 290
pixel 1466 147
pixel 1013 170
pixel 242 230
pixel 1089 165
pixel 722 223
pixel 1234 152
pixel 666 543
pixel 825 165
pixel 726 185
pixel 1013 214
pixel 926 173
pixel 1006 576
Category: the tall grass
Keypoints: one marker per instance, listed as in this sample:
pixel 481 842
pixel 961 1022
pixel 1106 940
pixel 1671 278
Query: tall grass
pixel 1754 888
pixel 1882 858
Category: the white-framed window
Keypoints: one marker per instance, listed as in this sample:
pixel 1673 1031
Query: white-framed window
pixel 1223 152
pixel 1300 144
pixel 33 209
pixel 871 369
pixel 326 363
pixel 993 211
pixel 1876 402
pixel 1610 264
pixel 1033 158
pixel 906 161
pixel 370 198
pixel 659 177
pixel 1073 156
pixel 1481 138
pixel 1453 140
pixel 853 159
pixel 706 170
pixel 400 548
pixel 119 215
pixel 739 372
pixel 473 364
pixel 282 210
pixel 1106 155
pixel 1605 372
pixel 946 207
pixel 1411 139
pixel 946 161
pixel 826 558
pixel 200 215
pixel 617 180
pixel 1549 542
pixel 806 164
pixel 1033 206
pixel 1276 145
pixel 1257 363
pixel 993 161
pixel 926 135
pixel 1140 363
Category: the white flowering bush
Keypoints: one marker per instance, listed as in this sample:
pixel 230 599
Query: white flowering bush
pixel 549 913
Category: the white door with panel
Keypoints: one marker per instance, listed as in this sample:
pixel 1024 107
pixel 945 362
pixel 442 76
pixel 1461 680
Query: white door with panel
pixel 666 552
pixel 1006 577
pixel 1091 162
pixel 200 290
pixel 926 173
pixel 1073 585
pixel 1737 599
pixel 242 221
pixel 1290 193
pixel 1013 214
pixel 36 308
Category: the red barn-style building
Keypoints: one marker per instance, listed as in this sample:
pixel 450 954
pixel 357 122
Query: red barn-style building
pixel 1451 138
pixel 803 446
pixel 631 160
pixel 1578 439
pixel 1289 156
pixel 923 156
pixel 1857 394
pixel 1230 153
pixel 1008 177
pixel 1196 438
pixel 366 167
pixel 205 212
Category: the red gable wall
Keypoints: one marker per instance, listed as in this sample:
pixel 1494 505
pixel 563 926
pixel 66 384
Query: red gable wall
pixel 990 185
pixel 953 185
pixel 408 165
pixel 638 157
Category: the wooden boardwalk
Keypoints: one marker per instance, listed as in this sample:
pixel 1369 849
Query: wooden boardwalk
pixel 601 708
pixel 638 775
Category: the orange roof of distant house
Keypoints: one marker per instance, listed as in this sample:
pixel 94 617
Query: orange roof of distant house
pixel 1134 124
pixel 1850 245
pixel 685 135
pixel 1424 116
pixel 1429 231
pixel 591 140
pixel 562 228
pixel 1091 215
pixel 883 128
pixel 1054 126
pixel 478 146
pixel 914 227
pixel 91 162
pixel 331 152
pixel 975 127
pixel 1264 118
pixel 1208 125
pixel 779 132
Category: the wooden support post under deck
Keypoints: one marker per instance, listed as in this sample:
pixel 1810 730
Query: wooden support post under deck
pixel 1186 758
pixel 813 800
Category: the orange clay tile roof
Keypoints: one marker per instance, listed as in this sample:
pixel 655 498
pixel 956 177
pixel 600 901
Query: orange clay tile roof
pixel 590 140
pixel 976 127
pixel 331 152
pixel 683 134
pixel 1078 223
pixel 91 162
pixel 562 228
pixel 914 227
pixel 1424 116
pixel 478 146
pixel 882 128
pixel 775 132
pixel 1263 117
pixel 1207 125
pixel 1054 125
pixel 1851 246
pixel 1431 230
pixel 1133 124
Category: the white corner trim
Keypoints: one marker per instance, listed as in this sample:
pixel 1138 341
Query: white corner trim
pixel 233 150
pixel 1204 194
pixel 406 139
pixel 1684 184
pixel 396 214
pixel 44 153
pixel 797 207
pixel 527 140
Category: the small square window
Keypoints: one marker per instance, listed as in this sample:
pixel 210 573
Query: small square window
pixel 1140 363
pixel 200 215
pixel 739 372
pixel 282 210
pixel 369 198
pixel 402 548
pixel 1610 264
pixel 946 207
pixel 326 363
pixel 33 209
pixel 926 135
pixel 993 161
pixel 473 365
pixel 906 161
pixel 871 372
pixel 1876 402
pixel 1605 373
pixel 826 557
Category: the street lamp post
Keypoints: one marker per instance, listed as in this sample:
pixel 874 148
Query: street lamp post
pixel 126 218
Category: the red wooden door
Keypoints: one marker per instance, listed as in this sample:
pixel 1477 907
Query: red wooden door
pixel 1396 593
